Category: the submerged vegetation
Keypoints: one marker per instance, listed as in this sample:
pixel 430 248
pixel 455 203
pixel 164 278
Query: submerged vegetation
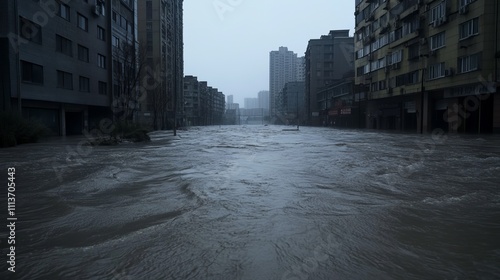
pixel 123 131
pixel 15 130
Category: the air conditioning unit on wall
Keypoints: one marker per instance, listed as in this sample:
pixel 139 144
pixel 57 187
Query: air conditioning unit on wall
pixel 96 10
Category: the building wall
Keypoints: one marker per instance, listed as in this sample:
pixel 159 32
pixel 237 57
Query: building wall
pixel 293 100
pixel 160 28
pixel 282 69
pixel 328 59
pixel 424 62
pixel 263 97
pixel 251 103
pixel 65 108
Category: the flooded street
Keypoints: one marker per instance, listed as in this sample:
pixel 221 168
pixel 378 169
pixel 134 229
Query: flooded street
pixel 257 202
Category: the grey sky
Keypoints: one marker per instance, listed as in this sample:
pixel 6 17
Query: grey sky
pixel 229 46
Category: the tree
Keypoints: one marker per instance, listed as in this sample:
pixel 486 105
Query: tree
pixel 128 66
pixel 159 100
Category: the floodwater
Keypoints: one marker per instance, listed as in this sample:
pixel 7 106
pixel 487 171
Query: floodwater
pixel 256 202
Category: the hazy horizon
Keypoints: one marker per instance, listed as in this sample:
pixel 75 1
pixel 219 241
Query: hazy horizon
pixel 227 42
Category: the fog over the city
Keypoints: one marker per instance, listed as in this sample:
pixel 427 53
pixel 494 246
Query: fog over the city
pixel 227 42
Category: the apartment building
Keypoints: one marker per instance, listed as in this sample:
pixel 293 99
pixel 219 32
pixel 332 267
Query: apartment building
pixel 160 29
pixel 291 100
pixel 203 104
pixel 192 101
pixel 429 64
pixel 327 60
pixel 283 68
pixel 55 62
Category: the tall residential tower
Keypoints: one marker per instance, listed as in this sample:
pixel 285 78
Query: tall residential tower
pixel 160 27
pixel 282 69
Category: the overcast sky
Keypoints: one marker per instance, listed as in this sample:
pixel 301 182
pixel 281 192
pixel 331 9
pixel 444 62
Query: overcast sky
pixel 227 42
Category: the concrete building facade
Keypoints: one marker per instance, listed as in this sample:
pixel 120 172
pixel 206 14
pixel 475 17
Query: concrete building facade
pixel 301 69
pixel 251 103
pixel 426 65
pixel 204 105
pixel 160 26
pixel 327 60
pixel 55 62
pixel 282 69
pixel 263 97
pixel 292 102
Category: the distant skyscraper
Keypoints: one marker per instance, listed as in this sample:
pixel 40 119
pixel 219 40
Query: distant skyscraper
pixel 264 99
pixel 282 69
pixel 251 103
pixel 301 69
pixel 230 99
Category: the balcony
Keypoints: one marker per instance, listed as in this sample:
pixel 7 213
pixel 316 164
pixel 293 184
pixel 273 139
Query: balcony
pixel 368 39
pixel 370 18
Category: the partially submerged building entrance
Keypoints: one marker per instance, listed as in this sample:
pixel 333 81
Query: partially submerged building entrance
pixel 74 123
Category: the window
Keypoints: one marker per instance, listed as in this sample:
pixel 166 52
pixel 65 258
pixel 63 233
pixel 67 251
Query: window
pixel 400 80
pixel 149 10
pixel 414 51
pixel 103 88
pixel 374 86
pixel 123 22
pixel 375 25
pixel 436 71
pixel 384 40
pixel 382 85
pixel 438 41
pixel 64 45
pixel 31 73
pixel 30 30
pixel 366 69
pixel 101 61
pixel 464 3
pixel 83 53
pixel 84 84
pixel 101 33
pixel 116 90
pixel 439 12
pixel 82 22
pixel 64 11
pixel 411 26
pixel 114 16
pixel 116 41
pixel 359 71
pixel 413 77
pixel 469 28
pixel 396 35
pixel 101 7
pixel 468 63
pixel 64 80
pixel 381 63
pixel 375 45
pixel 360 53
pixel 394 57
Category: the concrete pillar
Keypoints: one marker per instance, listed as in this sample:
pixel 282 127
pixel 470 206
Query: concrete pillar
pixel 496 112
pixel 452 117
pixel 63 120
pixel 427 113
pixel 424 112
pixel 85 120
